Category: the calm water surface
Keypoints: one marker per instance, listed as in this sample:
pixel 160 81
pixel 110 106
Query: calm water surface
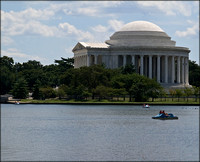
pixel 85 132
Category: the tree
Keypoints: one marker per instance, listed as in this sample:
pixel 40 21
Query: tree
pixel 20 89
pixel 139 87
pixel 196 92
pixel 6 80
pixel 47 92
pixel 188 92
pixel 36 90
pixel 154 89
pixel 7 62
pixel 163 94
pixel 65 64
pixel 101 91
pixel 61 91
pixel 172 93
pixel 114 92
pixel 128 69
pixel 31 64
pixel 194 73
pixel 178 93
pixel 7 77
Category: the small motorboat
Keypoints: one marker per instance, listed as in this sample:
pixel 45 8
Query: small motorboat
pixel 146 106
pixel 165 116
pixel 16 102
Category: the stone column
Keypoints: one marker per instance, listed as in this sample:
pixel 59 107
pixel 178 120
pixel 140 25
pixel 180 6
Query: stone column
pixel 95 59
pixel 88 60
pixel 141 64
pixel 150 66
pixel 158 69
pixel 124 60
pixel 133 60
pixel 85 59
pixel 153 67
pixel 166 69
pixel 77 62
pixel 81 62
pixel 173 70
pixel 183 70
pixel 145 70
pixel 178 69
pixel 186 70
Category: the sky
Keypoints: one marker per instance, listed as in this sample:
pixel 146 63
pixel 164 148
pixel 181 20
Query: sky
pixel 48 30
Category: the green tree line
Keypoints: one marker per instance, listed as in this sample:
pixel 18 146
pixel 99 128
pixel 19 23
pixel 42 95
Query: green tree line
pixel 62 80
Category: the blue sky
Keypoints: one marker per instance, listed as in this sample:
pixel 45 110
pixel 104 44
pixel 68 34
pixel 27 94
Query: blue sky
pixel 48 30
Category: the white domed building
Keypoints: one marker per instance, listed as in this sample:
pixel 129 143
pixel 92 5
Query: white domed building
pixel 143 44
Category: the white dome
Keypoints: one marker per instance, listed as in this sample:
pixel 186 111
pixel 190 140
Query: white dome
pixel 141 26
pixel 140 33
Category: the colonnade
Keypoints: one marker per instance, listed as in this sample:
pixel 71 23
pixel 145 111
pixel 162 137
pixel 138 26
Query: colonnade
pixel 165 68
pixel 80 61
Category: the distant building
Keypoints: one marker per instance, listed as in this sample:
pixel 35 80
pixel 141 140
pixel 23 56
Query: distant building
pixel 143 44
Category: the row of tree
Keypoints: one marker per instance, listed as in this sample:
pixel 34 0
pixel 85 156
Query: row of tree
pixel 32 72
pixel 62 80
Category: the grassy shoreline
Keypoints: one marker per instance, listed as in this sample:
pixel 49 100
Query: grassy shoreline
pixel 103 102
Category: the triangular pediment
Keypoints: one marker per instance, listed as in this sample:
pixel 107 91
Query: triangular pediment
pixel 79 46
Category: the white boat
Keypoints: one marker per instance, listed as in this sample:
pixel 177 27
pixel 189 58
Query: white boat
pixel 146 106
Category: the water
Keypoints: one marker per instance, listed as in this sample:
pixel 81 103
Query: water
pixel 100 133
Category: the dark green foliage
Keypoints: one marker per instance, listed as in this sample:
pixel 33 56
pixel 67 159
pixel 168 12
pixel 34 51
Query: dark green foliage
pixel 7 74
pixel 7 62
pixel 7 79
pixel 36 90
pixel 61 91
pixel 81 83
pixel 138 87
pixel 128 69
pixel 47 92
pixel 64 64
pixel 178 93
pixel 194 74
pixel 20 89
pixel 196 92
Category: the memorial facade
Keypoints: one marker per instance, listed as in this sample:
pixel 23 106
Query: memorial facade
pixel 143 44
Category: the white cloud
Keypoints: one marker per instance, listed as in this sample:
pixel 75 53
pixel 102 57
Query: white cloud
pixel 190 31
pixel 30 27
pixel 115 24
pixel 32 21
pixel 169 7
pixel 87 8
pixel 102 33
pixel 100 29
pixel 70 30
pixel 12 52
pixel 6 40
pixel 28 14
pixel 27 21
pixel 88 11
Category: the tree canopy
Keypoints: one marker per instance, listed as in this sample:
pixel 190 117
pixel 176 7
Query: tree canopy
pixel 94 81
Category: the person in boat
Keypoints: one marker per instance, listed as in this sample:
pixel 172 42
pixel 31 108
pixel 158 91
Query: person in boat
pixel 162 112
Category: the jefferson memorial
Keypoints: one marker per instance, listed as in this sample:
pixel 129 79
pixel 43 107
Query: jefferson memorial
pixel 146 46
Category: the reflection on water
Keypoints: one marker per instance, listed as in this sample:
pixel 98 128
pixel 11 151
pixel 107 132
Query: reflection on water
pixel 83 132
